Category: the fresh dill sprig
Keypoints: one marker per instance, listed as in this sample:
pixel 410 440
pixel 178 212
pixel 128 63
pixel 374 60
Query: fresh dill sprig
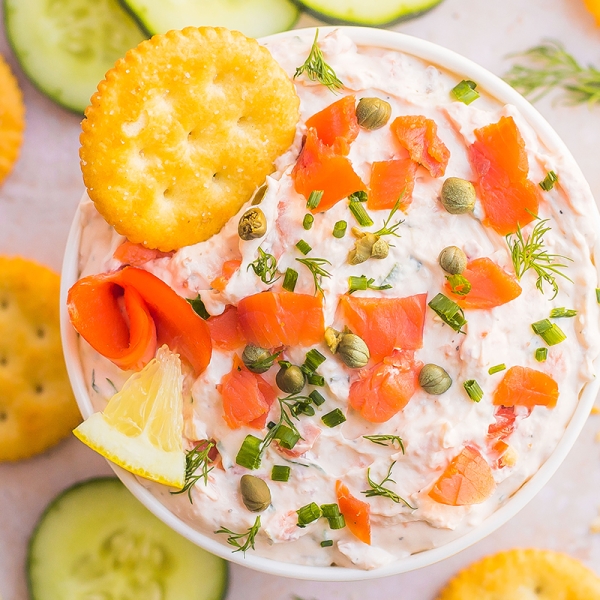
pixel 315 266
pixel 377 489
pixel 317 69
pixel 388 229
pixel 529 254
pixel 196 458
pixel 285 418
pixel 265 267
pixel 386 440
pixel 235 539
pixel 552 67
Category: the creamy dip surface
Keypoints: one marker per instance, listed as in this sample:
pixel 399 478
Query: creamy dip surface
pixel 434 428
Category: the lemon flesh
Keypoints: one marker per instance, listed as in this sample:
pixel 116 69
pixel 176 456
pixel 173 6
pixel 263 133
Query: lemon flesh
pixel 141 428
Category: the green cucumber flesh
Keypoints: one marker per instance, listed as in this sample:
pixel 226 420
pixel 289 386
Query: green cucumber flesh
pixel 96 541
pixel 66 46
pixel 254 18
pixel 372 14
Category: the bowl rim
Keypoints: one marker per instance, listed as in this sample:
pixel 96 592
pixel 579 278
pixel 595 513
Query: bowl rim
pixel 501 91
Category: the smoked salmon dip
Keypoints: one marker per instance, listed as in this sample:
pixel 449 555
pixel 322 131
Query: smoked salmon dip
pixel 390 399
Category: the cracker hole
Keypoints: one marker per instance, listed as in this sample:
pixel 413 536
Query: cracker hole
pixel 39 388
pixel 3 361
pixel 3 416
pixel 40 332
pixel 168 193
pixel 4 303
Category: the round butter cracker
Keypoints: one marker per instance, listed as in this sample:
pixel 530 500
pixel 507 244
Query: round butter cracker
pixel 527 574
pixel 12 119
pixel 182 131
pixel 37 408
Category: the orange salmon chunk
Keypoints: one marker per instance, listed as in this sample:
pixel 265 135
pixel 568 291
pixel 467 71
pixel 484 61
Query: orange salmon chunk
pixel 522 386
pixel 391 180
pixel 336 125
pixel 357 513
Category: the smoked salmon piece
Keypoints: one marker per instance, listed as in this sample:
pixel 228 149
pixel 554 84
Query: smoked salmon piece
pixel 504 424
pixel 247 397
pixel 467 480
pixel 273 319
pixel 228 269
pixel 137 255
pixel 499 160
pixel 419 136
pixel 225 330
pixel 94 306
pixel 522 386
pixel 357 513
pixel 337 125
pixel 386 323
pixel 390 180
pixel 384 389
pixel 490 285
pixel 320 168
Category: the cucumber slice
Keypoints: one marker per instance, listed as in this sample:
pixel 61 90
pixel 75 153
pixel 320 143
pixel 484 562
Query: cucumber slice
pixel 66 46
pixel 359 12
pixel 97 541
pixel 254 18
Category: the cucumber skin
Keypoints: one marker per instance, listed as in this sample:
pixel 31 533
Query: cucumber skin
pixel 56 501
pixel 337 21
pixel 146 28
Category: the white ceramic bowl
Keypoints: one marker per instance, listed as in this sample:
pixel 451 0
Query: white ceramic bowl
pixel 505 94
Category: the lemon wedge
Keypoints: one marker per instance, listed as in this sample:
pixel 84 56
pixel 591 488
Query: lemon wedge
pixel 141 428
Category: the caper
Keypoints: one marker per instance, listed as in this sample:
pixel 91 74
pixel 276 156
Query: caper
pixel 255 493
pixel 253 224
pixel 373 113
pixel 364 247
pixel 333 339
pixel 434 380
pixel 380 249
pixel 260 194
pixel 257 359
pixel 453 260
pixel 458 195
pixel 353 351
pixel 290 379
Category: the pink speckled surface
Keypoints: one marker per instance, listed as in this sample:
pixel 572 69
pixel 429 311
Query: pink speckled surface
pixel 37 203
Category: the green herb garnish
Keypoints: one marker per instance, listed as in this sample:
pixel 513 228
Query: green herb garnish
pixel 195 459
pixel 308 221
pixel 94 386
pixel 450 312
pixel 114 387
pixel 198 307
pixel 359 196
pixel 334 418
pixel 360 213
pixel 250 452
pixel 309 513
pixel 497 369
pixel 326 543
pixel 386 440
pixel 598 295
pixel 339 229
pixel 552 67
pixel 314 359
pixel 280 473
pixel 548 183
pixel 290 280
pixel 378 489
pixel 465 91
pixel 356 284
pixel 235 539
pixel 317 398
pixel 473 390
pixel 541 354
pixel 529 254
pixel 459 284
pixel 265 267
pixel 317 69
pixel 332 513
pixel 388 229
pixel 315 266
pixel 314 199
pixel 558 313
pixel 304 247
pixel 551 333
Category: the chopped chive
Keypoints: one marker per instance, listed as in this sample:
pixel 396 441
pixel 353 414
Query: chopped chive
pixel 249 453
pixel 307 514
pixel 308 221
pixel 551 333
pixel 271 424
pixel 290 280
pixel 337 522
pixel 316 398
pixel 334 418
pixel 314 359
pixel 314 199
pixel 450 312
pixel 465 91
pixel 303 247
pixel 330 510
pixel 315 379
pixel 286 437
pixel 549 181
pixel 473 390
pixel 280 473
pixel 360 214
pixel 359 196
pixel 497 368
pixel 459 284
pixel 339 229
pixel 326 543
pixel 541 354
pixel 598 295
pixel 356 284
pixel 557 313
pixel 199 307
